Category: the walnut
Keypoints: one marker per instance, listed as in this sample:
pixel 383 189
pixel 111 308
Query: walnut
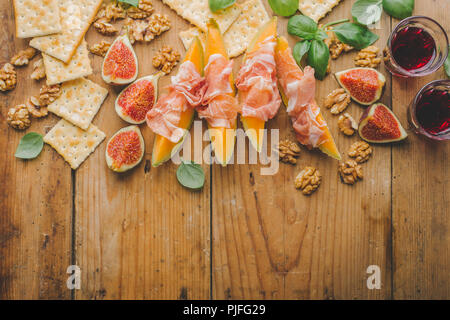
pixel 368 57
pixel 335 45
pixel 361 151
pixel 114 11
pixel 8 77
pixel 147 29
pixel 350 172
pixel 35 108
pixel 48 94
pixel 386 55
pixel 338 100
pixel 103 26
pixel 18 117
pixel 166 59
pixel 347 124
pixel 288 151
pixel 144 10
pixel 23 57
pixel 100 48
pixel 38 70
pixel 308 180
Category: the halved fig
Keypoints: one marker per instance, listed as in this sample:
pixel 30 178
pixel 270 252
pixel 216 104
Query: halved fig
pixel 120 65
pixel 133 103
pixel 365 85
pixel 379 124
pixel 125 149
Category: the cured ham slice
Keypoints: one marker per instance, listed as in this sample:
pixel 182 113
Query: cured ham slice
pixel 186 91
pixel 219 107
pixel 257 83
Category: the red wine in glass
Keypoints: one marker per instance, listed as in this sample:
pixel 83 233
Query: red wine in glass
pixel 413 48
pixel 433 111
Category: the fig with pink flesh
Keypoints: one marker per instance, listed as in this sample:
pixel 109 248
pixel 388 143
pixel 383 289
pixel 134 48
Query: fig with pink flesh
pixel 133 103
pixel 125 149
pixel 120 65
pixel 379 124
pixel 365 85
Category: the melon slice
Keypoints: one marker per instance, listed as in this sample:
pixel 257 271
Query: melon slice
pixel 120 65
pixel 163 148
pixel 254 127
pixel 125 149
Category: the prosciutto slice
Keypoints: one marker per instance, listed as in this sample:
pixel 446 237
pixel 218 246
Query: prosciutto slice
pixel 257 83
pixel 186 91
pixel 219 107
pixel 299 88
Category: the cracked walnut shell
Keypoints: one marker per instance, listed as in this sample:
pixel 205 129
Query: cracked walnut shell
pixel 350 172
pixel 100 48
pixel 143 10
pixel 308 180
pixel 8 77
pixel 360 151
pixel 23 57
pixel 38 70
pixel 166 59
pixel 338 100
pixel 288 151
pixel 368 57
pixel 347 124
pixel 18 117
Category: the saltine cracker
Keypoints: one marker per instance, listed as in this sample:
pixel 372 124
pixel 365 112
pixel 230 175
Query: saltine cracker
pixel 36 18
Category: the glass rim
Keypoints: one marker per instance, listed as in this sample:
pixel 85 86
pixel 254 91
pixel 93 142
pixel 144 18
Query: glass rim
pixel 432 68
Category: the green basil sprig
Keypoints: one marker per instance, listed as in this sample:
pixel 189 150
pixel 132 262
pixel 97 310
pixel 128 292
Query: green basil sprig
pixel 30 146
pixel 216 5
pixel 285 8
pixel 367 12
pixel 355 35
pixel 134 3
pixel 447 64
pixel 399 9
pixel 190 175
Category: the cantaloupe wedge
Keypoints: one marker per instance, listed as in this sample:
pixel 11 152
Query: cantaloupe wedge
pixel 222 139
pixel 254 128
pixel 329 147
pixel 163 148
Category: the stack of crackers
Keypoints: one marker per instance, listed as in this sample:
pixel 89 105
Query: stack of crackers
pixel 58 28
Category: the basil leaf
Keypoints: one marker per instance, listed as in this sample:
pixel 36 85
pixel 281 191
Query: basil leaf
pixel 300 49
pixel 284 8
pixel 447 64
pixel 216 5
pixel 399 9
pixel 318 58
pixel 191 175
pixel 355 35
pixel 367 12
pixel 320 35
pixel 302 26
pixel 30 146
pixel 134 3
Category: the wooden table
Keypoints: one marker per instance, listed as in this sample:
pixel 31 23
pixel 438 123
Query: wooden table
pixel 244 236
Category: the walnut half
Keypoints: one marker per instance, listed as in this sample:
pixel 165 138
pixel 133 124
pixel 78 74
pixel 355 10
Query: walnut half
pixel 23 57
pixel 338 100
pixel 8 77
pixel 166 59
pixel 347 124
pixel 368 57
pixel 350 172
pixel 100 48
pixel 360 151
pixel 147 29
pixel 335 45
pixel 38 70
pixel 288 151
pixel 103 26
pixel 18 117
pixel 308 180
pixel 143 10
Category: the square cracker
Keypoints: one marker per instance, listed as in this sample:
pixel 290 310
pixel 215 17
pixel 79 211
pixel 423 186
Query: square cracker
pixel 198 13
pixel 79 66
pixel 240 33
pixel 316 9
pixel 36 18
pixel 79 102
pixel 76 17
pixel 72 143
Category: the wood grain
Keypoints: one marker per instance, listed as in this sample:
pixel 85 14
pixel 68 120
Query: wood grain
pixel 35 197
pixel 420 199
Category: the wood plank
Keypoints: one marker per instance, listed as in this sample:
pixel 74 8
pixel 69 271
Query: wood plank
pixel 140 234
pixel 271 242
pixel 35 197
pixel 420 212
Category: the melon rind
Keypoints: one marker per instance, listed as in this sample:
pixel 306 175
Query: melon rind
pixel 124 38
pixel 123 168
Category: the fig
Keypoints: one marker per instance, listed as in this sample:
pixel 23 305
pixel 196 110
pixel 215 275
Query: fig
pixel 120 65
pixel 133 103
pixel 379 124
pixel 365 85
pixel 125 149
